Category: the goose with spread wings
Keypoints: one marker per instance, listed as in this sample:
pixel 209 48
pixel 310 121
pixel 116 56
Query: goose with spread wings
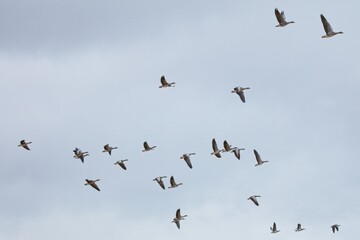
pixel 160 181
pixel 92 183
pixel 281 18
pixel 178 218
pixel 215 148
pixel 328 29
pixel 240 91
pixel 147 147
pixel 165 83
pixel 24 144
pixel 186 157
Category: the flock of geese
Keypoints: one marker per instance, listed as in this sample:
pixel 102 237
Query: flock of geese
pixel 78 154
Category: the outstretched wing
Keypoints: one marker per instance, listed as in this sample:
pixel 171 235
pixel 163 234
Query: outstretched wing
pixel 279 16
pixel 327 26
pixel 163 81
pixel 257 156
pixel 146 146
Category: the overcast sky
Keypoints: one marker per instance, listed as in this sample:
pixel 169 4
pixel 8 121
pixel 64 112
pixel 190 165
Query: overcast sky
pixel 86 73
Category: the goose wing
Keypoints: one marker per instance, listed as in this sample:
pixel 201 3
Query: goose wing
pixel 279 16
pixel 214 145
pixel 188 162
pixel 177 224
pixel 326 24
pixel 227 146
pixel 236 152
pixel 257 156
pixel 254 200
pixel 172 181
pixel 242 96
pixel 178 214
pixel 161 183
pixel 146 146
pixel 274 227
pixel 298 226
pixel 163 81
pixel 122 165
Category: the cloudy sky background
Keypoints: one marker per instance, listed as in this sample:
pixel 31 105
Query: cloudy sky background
pixel 86 73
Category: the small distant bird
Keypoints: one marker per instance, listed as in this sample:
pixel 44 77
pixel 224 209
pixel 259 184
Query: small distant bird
pixel 160 181
pixel 299 228
pixel 108 149
pixel 240 91
pixel 335 227
pixel 227 147
pixel 80 154
pixel 281 18
pixel 274 229
pixel 215 148
pixel 186 157
pixel 24 144
pixel 328 29
pixel 236 152
pixel 121 163
pixel 147 147
pixel 92 183
pixel 254 200
pixel 165 84
pixel 258 158
pixel 173 183
pixel 178 218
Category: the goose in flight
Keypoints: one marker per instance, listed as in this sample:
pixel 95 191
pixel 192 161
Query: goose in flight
pixel 335 227
pixel 108 149
pixel 227 147
pixel 328 29
pixel 215 148
pixel 147 147
pixel 24 144
pixel 299 228
pixel 186 157
pixel 274 229
pixel 240 91
pixel 254 200
pixel 80 154
pixel 281 18
pixel 160 181
pixel 121 163
pixel 92 183
pixel 258 158
pixel 164 83
pixel 178 218
pixel 173 183
pixel 236 152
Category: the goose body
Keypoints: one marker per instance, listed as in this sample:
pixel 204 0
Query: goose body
pixel 240 91
pixel 186 157
pixel 274 228
pixel 258 159
pixel 280 17
pixel 335 227
pixel 80 154
pixel 178 218
pixel 108 149
pixel 173 184
pixel 160 181
pixel 121 163
pixel 215 148
pixel 254 200
pixel 147 147
pixel 164 83
pixel 328 29
pixel 92 183
pixel 299 228
pixel 24 144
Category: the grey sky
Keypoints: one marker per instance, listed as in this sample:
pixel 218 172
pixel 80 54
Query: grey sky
pixel 86 73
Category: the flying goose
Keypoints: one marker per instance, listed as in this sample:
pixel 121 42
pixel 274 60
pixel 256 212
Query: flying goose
pixel 121 163
pixel 236 152
pixel 227 147
pixel 108 149
pixel 240 91
pixel 335 227
pixel 178 218
pixel 281 18
pixel 164 83
pixel 328 29
pixel 254 200
pixel 24 144
pixel 186 157
pixel 92 183
pixel 274 229
pixel 215 148
pixel 299 228
pixel 173 183
pixel 160 181
pixel 147 147
pixel 80 154
pixel 258 158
